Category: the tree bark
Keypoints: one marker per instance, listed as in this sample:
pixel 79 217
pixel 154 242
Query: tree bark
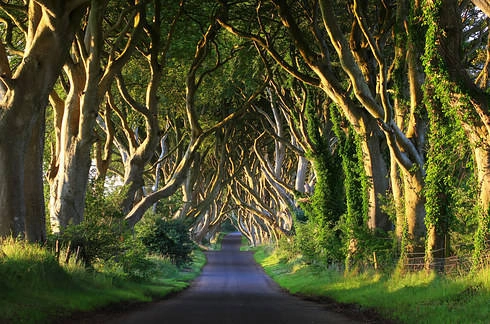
pixel 179 176
pixel 484 5
pixel 68 200
pixel 470 103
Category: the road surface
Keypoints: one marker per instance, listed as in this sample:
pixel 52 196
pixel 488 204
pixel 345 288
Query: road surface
pixel 232 289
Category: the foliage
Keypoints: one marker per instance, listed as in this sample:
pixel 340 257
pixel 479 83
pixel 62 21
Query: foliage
pixel 131 262
pixel 450 183
pixel 327 202
pixel 168 238
pixel 354 221
pixel 318 238
pixel 355 181
pixel 481 236
pixel 318 244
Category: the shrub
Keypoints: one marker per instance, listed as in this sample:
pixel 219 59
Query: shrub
pixel 168 238
pixel 134 260
pixel 96 239
pixel 100 234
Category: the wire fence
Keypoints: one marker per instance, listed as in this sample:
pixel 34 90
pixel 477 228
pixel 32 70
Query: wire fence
pixel 450 265
pixel 459 260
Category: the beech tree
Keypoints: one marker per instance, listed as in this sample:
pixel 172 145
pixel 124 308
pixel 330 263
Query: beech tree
pixel 49 28
pixel 87 87
pixel 139 150
pixel 461 93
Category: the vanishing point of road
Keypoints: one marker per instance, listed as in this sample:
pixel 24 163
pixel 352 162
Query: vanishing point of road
pixel 232 289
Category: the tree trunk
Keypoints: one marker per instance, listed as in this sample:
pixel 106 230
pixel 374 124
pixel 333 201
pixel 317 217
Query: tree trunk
pixel 72 186
pixel 482 164
pixel 68 186
pixel 435 249
pixel 469 102
pixel 414 211
pixel 398 204
pixel 133 180
pixel 376 171
pixel 168 189
pixel 301 169
pixel 35 219
pixel 482 235
pixel 89 84
pixel 12 213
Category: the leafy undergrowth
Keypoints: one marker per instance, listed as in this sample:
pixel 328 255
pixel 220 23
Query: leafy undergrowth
pixel 411 298
pixel 35 288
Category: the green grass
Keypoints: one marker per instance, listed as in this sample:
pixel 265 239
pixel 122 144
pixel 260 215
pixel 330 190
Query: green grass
pixel 34 288
pixel 411 298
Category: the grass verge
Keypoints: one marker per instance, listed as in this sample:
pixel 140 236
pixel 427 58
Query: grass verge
pixel 411 298
pixel 34 288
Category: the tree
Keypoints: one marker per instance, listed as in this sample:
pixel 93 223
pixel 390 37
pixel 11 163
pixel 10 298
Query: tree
pixel 87 87
pixel 139 151
pixel 458 91
pixel 50 29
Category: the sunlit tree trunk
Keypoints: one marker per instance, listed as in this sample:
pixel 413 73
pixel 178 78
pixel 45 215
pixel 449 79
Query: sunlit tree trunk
pixel 77 129
pixel 398 204
pixel 69 198
pixel 89 84
pixel 158 167
pixel 482 235
pixel 482 161
pixel 188 192
pixel 103 149
pixel 373 145
pixel 408 114
pixel 301 172
pixel 414 211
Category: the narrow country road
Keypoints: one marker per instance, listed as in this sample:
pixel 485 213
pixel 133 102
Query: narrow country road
pixel 232 289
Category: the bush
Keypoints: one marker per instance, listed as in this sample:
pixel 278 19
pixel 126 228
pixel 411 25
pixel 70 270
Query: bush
pixel 134 260
pixel 96 240
pixel 100 234
pixel 168 238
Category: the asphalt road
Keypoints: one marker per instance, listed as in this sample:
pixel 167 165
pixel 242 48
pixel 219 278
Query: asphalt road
pixel 232 289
